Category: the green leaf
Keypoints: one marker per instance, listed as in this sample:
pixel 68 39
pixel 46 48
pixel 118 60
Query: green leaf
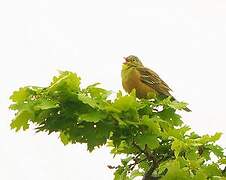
pixel 178 105
pixel 212 170
pixel 96 135
pixel 46 104
pixel 178 146
pixel 148 139
pixel 175 172
pixel 215 137
pixel 122 148
pixel 184 163
pixel 93 116
pixel 97 93
pixel 170 116
pixel 196 164
pixel 21 95
pixel 207 138
pixel 126 160
pixel 125 103
pixel 144 165
pixel 173 104
pixel 218 178
pixel 217 150
pixel 121 174
pixel 67 80
pixel 87 100
pixel 200 175
pixel 136 173
pixel 21 120
pixel 191 154
pixel 222 161
pixel 64 138
pixel 152 124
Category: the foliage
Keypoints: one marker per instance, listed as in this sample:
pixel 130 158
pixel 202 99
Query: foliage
pixel 152 136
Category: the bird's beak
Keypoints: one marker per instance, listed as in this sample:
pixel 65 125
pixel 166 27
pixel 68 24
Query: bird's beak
pixel 126 60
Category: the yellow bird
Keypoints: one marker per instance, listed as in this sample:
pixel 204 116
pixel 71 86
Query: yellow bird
pixel 145 81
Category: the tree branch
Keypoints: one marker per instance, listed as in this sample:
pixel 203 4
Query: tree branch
pixel 151 157
pixel 148 174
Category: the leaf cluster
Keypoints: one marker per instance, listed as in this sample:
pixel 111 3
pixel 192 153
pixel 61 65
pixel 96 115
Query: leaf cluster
pixel 150 133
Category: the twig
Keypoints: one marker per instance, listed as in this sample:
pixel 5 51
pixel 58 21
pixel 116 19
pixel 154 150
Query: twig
pixel 148 174
pixel 112 167
pixel 151 157
pixel 132 166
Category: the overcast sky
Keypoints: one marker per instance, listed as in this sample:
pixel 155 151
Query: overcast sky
pixel 183 41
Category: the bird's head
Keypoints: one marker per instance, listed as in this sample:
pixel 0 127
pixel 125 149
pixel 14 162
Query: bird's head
pixel 132 61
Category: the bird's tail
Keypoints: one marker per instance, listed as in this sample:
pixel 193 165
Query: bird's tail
pixel 187 109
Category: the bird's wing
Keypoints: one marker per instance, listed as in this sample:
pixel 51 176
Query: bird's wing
pixel 152 79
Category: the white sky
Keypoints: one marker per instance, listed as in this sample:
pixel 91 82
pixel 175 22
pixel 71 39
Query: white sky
pixel 183 41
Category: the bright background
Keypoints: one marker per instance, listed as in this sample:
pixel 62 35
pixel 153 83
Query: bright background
pixel 183 41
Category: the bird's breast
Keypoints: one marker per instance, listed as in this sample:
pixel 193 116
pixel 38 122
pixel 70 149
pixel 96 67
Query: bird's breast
pixel 131 80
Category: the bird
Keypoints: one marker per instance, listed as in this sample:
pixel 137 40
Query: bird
pixel 145 81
